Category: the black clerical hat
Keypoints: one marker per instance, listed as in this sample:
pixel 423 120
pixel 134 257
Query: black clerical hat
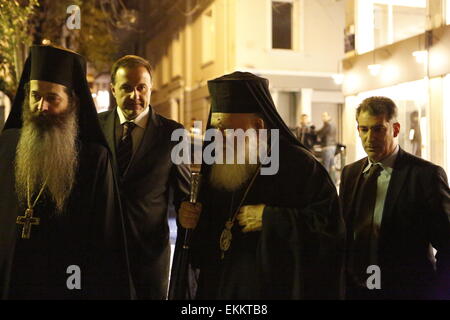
pixel 55 65
pixel 244 92
pixel 230 94
pixel 67 68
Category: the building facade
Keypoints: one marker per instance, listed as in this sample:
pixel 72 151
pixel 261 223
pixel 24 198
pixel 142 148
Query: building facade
pixel 296 44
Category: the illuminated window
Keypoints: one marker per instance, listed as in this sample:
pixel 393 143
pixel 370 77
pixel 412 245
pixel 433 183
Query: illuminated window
pixel 165 69
pixel 208 36
pixel 102 99
pixel 282 24
pixel 388 21
pixel 395 21
pixel 176 58
pixel 446 11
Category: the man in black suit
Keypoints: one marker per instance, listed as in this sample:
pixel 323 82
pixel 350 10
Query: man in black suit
pixel 141 143
pixel 397 207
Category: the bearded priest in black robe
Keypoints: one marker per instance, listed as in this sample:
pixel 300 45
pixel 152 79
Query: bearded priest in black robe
pixel 256 235
pixel 61 229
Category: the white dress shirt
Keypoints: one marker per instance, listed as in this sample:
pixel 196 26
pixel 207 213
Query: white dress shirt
pixel 141 123
pixel 387 165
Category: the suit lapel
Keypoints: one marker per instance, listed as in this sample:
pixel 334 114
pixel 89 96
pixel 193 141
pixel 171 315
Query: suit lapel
pixel 398 178
pixel 354 193
pixel 110 134
pixel 148 141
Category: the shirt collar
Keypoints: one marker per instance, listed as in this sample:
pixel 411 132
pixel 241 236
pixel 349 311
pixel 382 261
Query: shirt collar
pixel 386 163
pixel 140 121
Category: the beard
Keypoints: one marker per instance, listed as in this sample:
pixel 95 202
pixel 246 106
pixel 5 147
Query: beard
pixel 230 177
pixel 47 153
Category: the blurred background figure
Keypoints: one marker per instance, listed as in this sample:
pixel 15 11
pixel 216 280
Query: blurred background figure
pixel 305 133
pixel 415 136
pixel 327 138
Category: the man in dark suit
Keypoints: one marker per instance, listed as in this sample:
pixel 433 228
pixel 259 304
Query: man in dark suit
pixel 305 133
pixel 397 207
pixel 141 143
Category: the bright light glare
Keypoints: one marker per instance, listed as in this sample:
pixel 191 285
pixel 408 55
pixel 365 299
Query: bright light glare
pixel 338 78
pixel 103 99
pixel 421 56
pixel 374 69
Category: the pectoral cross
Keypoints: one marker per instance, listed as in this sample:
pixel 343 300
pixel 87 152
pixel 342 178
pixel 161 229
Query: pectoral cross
pixel 226 237
pixel 27 220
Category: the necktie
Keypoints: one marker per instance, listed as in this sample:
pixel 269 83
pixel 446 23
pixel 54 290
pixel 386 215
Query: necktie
pixel 363 226
pixel 125 148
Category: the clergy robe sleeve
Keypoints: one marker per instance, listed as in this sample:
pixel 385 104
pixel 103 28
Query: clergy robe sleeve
pixel 108 250
pixel 313 235
pixel 180 182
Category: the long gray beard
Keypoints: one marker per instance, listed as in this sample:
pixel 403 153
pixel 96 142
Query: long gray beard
pixel 47 153
pixel 230 177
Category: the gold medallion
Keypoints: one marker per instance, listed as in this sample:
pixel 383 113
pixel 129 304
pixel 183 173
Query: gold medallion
pixel 226 237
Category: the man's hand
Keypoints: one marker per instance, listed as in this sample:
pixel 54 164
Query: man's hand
pixel 250 217
pixel 188 214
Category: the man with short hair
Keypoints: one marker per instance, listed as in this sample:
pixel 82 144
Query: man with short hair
pixel 61 228
pixel 141 143
pixel 260 234
pixel 397 207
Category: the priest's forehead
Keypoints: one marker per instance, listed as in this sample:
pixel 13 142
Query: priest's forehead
pixel 222 120
pixel 45 87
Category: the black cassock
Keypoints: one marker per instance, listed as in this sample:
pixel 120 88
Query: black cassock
pixel 298 254
pixel 87 235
